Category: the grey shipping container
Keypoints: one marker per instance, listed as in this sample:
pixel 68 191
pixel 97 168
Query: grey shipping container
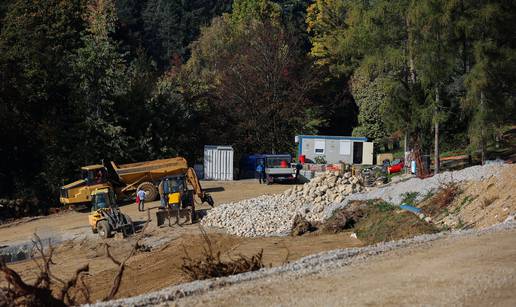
pixel 218 162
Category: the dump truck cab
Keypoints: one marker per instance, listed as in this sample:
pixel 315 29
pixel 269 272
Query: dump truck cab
pixel 105 216
pixel 94 174
pixel 94 177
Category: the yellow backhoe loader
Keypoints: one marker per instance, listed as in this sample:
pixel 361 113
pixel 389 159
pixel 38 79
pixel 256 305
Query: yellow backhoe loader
pixel 105 217
pixel 178 200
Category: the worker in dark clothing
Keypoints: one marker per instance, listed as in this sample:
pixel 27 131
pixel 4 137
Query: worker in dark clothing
pixel 163 189
pixel 260 172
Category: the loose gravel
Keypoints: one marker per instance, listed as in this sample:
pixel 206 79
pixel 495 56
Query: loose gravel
pixel 273 215
pixel 325 262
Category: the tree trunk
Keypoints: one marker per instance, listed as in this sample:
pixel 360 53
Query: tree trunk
pixel 436 133
pixel 405 150
pixel 482 136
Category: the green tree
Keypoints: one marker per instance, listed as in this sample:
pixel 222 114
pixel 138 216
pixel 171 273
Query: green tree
pixel 489 30
pixel 170 26
pixel 260 91
pixel 37 39
pixel 369 95
pixel 434 56
pixel 101 74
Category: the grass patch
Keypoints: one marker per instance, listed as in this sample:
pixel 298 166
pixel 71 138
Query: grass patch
pixel 384 222
pixel 410 198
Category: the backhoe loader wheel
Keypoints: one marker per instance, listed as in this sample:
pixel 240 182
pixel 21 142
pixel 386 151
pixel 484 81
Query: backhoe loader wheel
pixel 151 193
pixel 103 229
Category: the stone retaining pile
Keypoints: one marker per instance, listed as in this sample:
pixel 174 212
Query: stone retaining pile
pixel 273 215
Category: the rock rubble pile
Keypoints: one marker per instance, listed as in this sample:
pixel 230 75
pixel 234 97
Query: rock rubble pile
pixel 274 215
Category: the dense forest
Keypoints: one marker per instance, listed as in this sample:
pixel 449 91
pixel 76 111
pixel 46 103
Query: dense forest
pixel 132 80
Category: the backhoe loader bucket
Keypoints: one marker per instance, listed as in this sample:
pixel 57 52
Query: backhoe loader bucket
pixel 174 215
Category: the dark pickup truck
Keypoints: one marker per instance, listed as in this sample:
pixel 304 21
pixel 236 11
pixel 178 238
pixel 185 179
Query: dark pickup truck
pixel 279 168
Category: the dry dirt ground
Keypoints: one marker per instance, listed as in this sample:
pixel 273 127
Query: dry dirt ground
pixel 469 271
pixel 161 267
pixel 68 224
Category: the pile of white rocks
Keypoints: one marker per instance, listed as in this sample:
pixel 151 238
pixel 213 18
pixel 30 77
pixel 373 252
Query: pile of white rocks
pixel 273 215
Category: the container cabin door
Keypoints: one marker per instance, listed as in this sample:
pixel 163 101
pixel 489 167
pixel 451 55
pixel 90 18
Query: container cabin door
pixel 357 152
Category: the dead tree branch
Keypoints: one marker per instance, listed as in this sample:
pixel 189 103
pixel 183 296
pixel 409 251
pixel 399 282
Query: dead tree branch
pixel 122 264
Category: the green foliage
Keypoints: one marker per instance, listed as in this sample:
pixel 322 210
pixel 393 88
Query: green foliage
pixel 382 223
pixel 410 198
pixel 320 160
pixel 259 81
pixel 170 26
pixel 101 74
pixel 370 96
pixel 37 39
pixel 128 80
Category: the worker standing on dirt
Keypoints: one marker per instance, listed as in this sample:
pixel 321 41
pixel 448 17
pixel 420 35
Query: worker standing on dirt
pixel 163 192
pixel 141 196
pixel 260 172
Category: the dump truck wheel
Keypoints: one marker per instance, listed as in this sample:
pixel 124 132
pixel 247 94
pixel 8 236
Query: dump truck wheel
pixel 151 193
pixel 103 229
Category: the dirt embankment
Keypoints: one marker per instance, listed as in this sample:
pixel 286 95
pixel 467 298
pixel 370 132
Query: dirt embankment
pixel 478 204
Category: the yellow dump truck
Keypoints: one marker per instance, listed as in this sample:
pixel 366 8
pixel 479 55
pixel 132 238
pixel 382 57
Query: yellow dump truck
pixel 123 179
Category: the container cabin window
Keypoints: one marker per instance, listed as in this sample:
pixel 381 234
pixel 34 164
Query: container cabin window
pixel 345 148
pixel 319 147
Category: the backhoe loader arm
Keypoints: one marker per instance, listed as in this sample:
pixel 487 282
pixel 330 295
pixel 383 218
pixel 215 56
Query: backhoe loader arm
pixel 194 182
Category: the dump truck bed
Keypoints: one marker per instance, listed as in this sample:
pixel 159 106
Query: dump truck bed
pixel 152 170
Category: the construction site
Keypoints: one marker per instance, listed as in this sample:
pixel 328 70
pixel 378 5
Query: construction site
pixel 446 239
pixel 257 152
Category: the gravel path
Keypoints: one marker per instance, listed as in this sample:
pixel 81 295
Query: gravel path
pixel 322 263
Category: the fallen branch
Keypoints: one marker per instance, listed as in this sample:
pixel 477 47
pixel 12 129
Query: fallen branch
pixel 121 264
pixel 18 292
pixel 210 264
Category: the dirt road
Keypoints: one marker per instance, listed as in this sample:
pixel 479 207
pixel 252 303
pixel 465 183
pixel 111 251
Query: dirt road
pixel 70 224
pixel 474 270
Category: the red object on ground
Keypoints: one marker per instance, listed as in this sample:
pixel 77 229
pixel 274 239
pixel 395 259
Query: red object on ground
pixel 302 159
pixel 283 164
pixel 396 168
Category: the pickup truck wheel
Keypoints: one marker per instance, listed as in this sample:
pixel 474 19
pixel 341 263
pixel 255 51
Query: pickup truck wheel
pixel 151 193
